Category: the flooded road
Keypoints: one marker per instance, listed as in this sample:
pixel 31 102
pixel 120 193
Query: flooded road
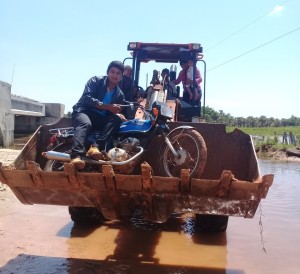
pixel 42 239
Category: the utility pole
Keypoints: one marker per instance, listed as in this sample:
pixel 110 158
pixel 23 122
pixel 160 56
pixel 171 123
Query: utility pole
pixel 12 76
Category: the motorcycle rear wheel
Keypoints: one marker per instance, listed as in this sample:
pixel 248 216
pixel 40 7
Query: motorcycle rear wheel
pixel 54 165
pixel 190 146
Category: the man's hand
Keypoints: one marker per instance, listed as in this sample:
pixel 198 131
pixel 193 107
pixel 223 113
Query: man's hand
pixel 140 100
pixel 113 108
pixel 122 117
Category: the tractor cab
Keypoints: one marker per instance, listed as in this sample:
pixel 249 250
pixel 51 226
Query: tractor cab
pixel 162 60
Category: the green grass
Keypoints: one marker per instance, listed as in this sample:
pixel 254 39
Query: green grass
pixel 268 131
pixel 270 136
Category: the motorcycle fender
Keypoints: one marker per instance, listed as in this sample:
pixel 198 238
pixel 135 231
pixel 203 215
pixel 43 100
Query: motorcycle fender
pixel 180 128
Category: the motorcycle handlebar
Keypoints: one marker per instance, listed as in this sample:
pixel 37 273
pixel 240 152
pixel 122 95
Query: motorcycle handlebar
pixel 131 104
pixel 141 107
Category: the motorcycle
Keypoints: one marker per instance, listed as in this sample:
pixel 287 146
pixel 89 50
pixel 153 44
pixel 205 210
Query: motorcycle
pixel 180 148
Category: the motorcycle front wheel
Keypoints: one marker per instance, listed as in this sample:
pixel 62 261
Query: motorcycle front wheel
pixel 192 153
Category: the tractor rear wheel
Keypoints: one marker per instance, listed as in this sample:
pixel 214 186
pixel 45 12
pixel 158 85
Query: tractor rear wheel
pixel 80 215
pixel 86 215
pixel 211 223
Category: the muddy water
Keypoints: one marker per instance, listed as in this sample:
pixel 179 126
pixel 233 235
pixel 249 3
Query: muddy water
pixel 42 239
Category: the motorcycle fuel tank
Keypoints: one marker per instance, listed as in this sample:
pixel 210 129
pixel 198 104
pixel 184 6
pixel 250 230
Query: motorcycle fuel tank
pixel 135 125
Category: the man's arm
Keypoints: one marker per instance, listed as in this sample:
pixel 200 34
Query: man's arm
pixel 113 108
pixel 179 78
pixel 89 96
pixel 198 77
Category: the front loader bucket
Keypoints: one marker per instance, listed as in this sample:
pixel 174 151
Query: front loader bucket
pixel 229 185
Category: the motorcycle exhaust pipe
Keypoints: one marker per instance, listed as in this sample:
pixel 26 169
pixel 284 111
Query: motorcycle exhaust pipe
pixel 58 156
pixel 64 157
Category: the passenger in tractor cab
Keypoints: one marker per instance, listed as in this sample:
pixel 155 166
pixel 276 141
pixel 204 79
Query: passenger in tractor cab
pixel 187 83
pixel 98 108
pixel 155 78
pixel 129 92
pixel 126 84
pixel 168 85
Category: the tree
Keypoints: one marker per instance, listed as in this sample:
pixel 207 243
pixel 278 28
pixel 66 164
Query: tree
pixel 262 121
pixel 69 114
pixel 213 116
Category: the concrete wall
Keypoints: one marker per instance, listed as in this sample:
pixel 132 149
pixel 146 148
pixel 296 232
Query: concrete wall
pixel 20 115
pixel 54 110
pixel 22 105
pixel 6 117
pixel 29 124
pixel 26 124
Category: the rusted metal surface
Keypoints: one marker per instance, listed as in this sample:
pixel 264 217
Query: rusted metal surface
pixel 117 195
pixel 226 151
pixel 185 181
pixel 229 185
pixel 225 183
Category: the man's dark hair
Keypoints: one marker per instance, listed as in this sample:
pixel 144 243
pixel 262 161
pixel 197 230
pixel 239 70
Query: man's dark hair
pixel 183 61
pixel 116 64
pixel 165 70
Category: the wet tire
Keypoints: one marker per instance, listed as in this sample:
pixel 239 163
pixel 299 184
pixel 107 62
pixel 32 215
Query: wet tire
pixel 86 215
pixel 79 215
pixel 211 223
pixel 192 150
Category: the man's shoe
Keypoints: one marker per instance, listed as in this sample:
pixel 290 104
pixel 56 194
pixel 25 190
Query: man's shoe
pixel 94 153
pixel 78 163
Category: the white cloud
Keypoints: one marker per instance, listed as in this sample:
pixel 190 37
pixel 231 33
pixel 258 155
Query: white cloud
pixel 277 9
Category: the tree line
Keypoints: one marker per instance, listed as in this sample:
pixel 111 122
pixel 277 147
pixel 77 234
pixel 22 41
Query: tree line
pixel 214 116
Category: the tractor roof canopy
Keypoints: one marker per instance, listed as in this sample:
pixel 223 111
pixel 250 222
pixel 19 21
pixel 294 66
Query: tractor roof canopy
pixel 163 52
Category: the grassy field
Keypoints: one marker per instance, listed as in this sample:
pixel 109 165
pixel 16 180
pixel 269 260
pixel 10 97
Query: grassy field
pixel 271 136
pixel 268 131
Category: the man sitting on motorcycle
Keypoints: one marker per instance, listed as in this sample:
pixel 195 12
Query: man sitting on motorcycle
pixel 98 108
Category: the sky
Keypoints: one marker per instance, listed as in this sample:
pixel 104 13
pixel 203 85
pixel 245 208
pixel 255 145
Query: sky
pixel 49 49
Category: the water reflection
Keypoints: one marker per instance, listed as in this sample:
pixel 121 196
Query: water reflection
pixel 292 169
pixel 280 216
pixel 143 247
pixel 34 264
pixel 174 247
pixel 50 243
pixel 285 192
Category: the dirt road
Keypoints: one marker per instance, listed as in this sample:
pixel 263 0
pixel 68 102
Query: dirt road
pixel 7 156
